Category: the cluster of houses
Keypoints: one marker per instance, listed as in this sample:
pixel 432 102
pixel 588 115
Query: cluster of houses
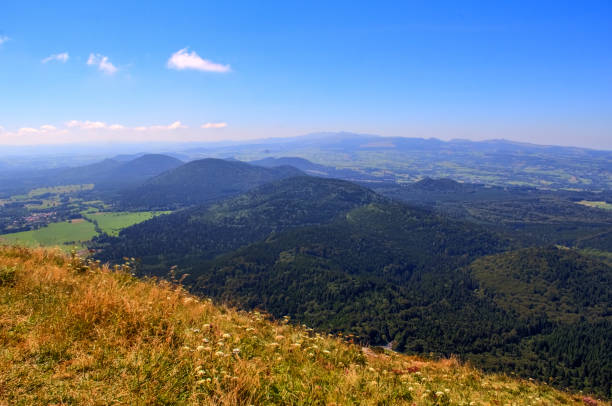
pixel 39 217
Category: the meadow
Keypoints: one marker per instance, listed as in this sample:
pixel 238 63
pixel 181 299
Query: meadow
pixel 75 233
pixel 54 191
pixel 66 234
pixel 60 190
pixel 113 222
pixel 598 205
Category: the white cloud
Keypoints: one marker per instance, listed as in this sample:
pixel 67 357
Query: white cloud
pixel 43 129
pixel 95 131
pixel 173 126
pixel 183 59
pixel 214 125
pixel 3 39
pixel 28 130
pixel 63 57
pixel 86 125
pixel 102 63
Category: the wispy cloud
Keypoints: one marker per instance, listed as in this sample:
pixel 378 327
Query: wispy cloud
pixel 214 125
pixel 102 63
pixel 99 125
pixel 83 131
pixel 63 57
pixel 91 131
pixel 3 39
pixel 183 59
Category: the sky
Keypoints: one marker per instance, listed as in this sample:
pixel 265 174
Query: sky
pixel 127 71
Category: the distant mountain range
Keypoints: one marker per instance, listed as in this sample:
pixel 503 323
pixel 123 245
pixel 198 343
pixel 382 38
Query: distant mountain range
pixel 109 174
pixel 371 157
pixel 498 162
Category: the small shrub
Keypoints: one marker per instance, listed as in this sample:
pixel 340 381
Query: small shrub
pixel 7 275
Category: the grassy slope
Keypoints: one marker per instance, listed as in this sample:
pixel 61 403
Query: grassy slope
pixel 76 333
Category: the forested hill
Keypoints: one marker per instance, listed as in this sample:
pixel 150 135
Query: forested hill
pixel 559 283
pixel 142 168
pixel 202 232
pixel 202 181
pixel 314 169
pixel 439 185
pixel 533 216
pixel 574 294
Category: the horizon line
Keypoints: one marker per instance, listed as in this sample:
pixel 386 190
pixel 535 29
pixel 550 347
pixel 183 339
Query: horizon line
pixel 321 134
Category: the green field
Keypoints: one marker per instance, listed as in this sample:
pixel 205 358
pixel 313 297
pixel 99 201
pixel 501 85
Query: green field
pixel 599 205
pixel 604 256
pixel 68 234
pixel 113 222
pixel 60 190
pixel 54 190
pixel 64 234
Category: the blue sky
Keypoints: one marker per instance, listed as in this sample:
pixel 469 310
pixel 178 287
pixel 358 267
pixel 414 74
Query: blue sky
pixel 534 71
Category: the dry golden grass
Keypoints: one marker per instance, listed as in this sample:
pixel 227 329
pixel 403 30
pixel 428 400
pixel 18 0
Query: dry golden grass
pixel 74 332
